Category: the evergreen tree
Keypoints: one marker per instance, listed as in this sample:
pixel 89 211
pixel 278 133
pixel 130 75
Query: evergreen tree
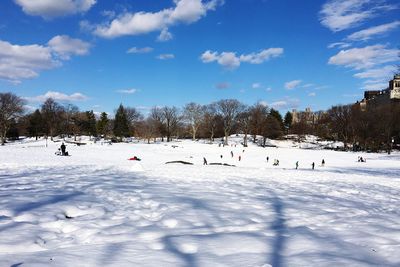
pixel 91 123
pixel 121 125
pixel 273 128
pixel 274 113
pixel 288 121
pixel 102 124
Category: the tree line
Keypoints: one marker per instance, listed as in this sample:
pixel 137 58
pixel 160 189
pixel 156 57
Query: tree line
pixel 373 129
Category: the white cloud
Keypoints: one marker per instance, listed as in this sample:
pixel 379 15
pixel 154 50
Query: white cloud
pixel 287 103
pixel 228 60
pixel 256 85
pixel 86 26
pixel 50 8
pixel 307 85
pixel 292 84
pixel 108 13
pixel 184 11
pixel 262 56
pixel 363 58
pixel 231 61
pixel 136 50
pixel 269 89
pixel 338 15
pixel 312 94
pixel 340 45
pixel 166 56
pixel 209 56
pixel 375 86
pixel 263 103
pixel 367 34
pixel 65 46
pixel 18 62
pixel 379 73
pixel 164 36
pixel 128 91
pixel 57 96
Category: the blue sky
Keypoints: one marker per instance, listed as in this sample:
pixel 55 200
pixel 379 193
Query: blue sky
pixel 288 54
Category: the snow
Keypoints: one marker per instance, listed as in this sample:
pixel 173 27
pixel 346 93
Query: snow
pixel 97 208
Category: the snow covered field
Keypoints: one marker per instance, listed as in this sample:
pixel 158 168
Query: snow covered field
pixel 96 208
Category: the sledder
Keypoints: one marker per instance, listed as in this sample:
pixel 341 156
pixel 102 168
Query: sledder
pixel 62 150
pixel 135 158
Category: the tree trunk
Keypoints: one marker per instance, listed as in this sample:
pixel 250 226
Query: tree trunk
pixel 194 133
pixel 389 146
pixel 245 140
pixel 226 138
pixel 3 136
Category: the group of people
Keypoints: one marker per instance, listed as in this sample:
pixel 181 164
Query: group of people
pixel 276 163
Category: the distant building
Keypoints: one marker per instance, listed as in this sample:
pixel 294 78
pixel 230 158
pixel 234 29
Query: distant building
pixel 306 116
pixel 381 97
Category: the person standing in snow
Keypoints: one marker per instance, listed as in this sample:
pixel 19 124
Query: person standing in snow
pixel 297 165
pixel 240 158
pixel 204 161
pixel 232 153
pixel 323 163
pixel 267 159
pixel 313 165
pixel 63 147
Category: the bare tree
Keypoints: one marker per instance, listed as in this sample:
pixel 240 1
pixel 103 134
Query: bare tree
pixel 70 121
pixel 210 120
pixel 147 129
pixel 133 116
pixel 172 119
pixel 11 107
pixel 229 109
pixel 340 117
pixel 157 115
pixel 193 114
pixel 258 113
pixel 52 112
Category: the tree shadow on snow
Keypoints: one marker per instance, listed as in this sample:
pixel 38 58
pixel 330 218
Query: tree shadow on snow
pixel 280 229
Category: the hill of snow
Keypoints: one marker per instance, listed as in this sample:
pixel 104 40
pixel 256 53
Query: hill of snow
pixel 97 208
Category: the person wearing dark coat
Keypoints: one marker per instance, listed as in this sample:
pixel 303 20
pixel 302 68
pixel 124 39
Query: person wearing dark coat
pixel 204 161
pixel 323 163
pixel 313 165
pixel 63 147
